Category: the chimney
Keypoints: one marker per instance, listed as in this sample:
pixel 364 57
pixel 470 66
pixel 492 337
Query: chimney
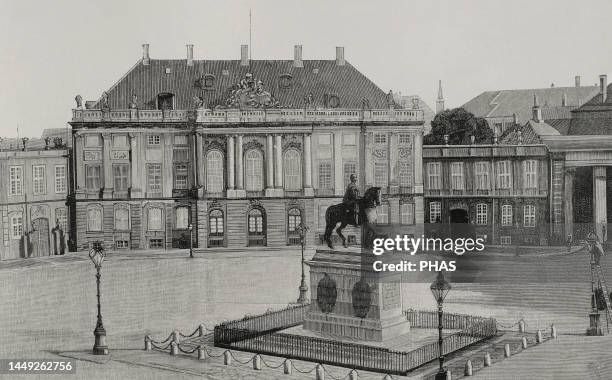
pixel 340 56
pixel 564 100
pixel 603 87
pixel 244 55
pixel 577 80
pixel 297 56
pixel 190 55
pixel 537 111
pixel 145 54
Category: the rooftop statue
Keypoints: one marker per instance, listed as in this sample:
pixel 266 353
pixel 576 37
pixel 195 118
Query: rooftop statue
pixel 249 93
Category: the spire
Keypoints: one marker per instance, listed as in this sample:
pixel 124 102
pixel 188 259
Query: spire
pixel 440 100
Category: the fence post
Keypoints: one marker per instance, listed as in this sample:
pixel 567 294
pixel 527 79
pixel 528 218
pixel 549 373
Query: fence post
pixel 176 337
pixel 553 331
pixel 449 375
pixel 287 367
pixel 173 348
pixel 320 372
pixel 353 375
pixel 147 343
pixel 227 357
pixel 524 342
pixel 202 330
pixel 201 355
pixel 507 350
pixel 539 337
pixel 521 325
pixel 468 368
pixel 487 360
pixel 257 362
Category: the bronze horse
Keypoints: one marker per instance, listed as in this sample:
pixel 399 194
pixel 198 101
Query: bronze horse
pixel 340 213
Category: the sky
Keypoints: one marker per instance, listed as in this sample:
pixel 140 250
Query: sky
pixel 50 51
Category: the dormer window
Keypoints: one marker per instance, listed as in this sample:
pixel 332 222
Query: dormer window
pixel 285 81
pixel 165 101
pixel 334 101
pixel 209 81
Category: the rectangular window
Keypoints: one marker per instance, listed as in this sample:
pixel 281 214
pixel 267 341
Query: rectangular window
pixel 154 219
pixel 153 140
pixel 404 139
pixel 531 174
pixel 325 175
pixel 156 243
pixel 181 218
pixel 380 138
pixel 380 174
pixel 122 244
pixel 181 155
pixel 481 213
pixel 180 176
pixel 482 175
pixel 121 175
pixel 92 177
pixel 529 216
pixel 457 175
pixel 503 175
pixel 15 180
pixel 180 140
pixel 405 173
pixel 435 212
pixel 505 240
pixel 60 178
pixel 61 218
pixel 349 139
pixel 382 214
pixel 154 179
pixel 506 215
pixel 433 175
pixel 16 225
pixel 349 168
pixel 407 213
pixel 39 184
pixel 94 219
pixel 122 219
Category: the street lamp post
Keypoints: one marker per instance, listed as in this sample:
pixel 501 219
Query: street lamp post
pixel 97 255
pixel 440 288
pixel 191 240
pixel 302 229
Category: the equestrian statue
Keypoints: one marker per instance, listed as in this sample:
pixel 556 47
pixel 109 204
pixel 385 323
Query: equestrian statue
pixel 353 211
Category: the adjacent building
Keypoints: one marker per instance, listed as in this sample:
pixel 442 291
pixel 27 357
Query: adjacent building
pixel 238 152
pixel 34 198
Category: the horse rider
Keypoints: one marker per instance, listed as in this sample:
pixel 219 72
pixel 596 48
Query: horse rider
pixel 351 196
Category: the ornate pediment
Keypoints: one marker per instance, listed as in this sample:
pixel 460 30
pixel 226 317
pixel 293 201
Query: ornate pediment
pixel 215 144
pixel 250 93
pixel 253 144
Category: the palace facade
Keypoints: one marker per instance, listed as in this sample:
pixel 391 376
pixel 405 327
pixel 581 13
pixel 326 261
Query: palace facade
pixel 238 152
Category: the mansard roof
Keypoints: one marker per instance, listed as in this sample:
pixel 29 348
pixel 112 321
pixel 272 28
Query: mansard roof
pixel 316 77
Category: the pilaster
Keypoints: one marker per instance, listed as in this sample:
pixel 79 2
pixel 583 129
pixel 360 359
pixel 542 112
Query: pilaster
pixel 600 218
pixel 338 172
pixel 568 205
pixel 136 167
pixel 418 162
pixel 108 168
pixel 167 178
pixel 307 163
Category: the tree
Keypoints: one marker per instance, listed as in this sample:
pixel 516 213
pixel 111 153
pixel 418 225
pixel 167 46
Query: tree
pixel 459 125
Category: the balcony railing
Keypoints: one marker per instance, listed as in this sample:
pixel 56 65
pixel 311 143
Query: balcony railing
pixel 208 116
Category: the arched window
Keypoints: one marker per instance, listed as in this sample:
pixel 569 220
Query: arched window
pixel 214 171
pixel 94 218
pixel 256 228
pixel 215 228
pixel 293 170
pixel 294 219
pixel 253 168
pixel 122 218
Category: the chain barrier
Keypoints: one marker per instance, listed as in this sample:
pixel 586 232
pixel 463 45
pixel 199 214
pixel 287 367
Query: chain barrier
pixel 196 331
pixel 513 325
pixel 300 371
pixel 334 377
pixel 163 341
pixel 272 366
pixel 210 355
pixel 187 351
pixel 164 348
pixel 236 359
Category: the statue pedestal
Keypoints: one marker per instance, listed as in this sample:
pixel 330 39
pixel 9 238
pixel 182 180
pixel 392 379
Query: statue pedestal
pixel 353 301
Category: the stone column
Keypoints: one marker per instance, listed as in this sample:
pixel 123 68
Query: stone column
pixel 200 164
pixel 338 169
pixel 393 154
pixel 600 218
pixel 79 164
pixel 278 162
pixel 108 168
pixel 568 205
pixel 240 191
pixel 369 179
pixel 269 162
pixel 418 162
pixel 230 164
pixel 307 166
pixel 167 167
pixel 136 167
